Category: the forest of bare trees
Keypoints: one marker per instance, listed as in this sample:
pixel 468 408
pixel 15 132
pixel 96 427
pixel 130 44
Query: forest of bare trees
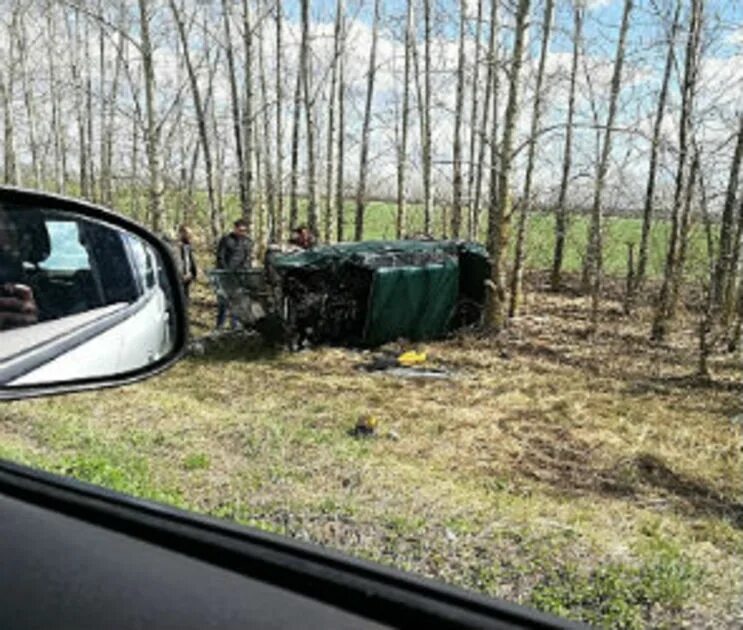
pixel 467 117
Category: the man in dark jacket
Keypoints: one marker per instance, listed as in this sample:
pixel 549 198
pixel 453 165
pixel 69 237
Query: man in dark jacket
pixel 233 254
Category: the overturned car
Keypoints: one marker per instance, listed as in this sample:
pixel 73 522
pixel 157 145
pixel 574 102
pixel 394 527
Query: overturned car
pixel 361 294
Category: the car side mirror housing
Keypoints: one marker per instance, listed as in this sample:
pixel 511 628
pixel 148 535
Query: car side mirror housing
pixel 88 298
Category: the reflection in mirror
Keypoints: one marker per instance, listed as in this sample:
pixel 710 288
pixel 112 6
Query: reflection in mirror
pixel 78 299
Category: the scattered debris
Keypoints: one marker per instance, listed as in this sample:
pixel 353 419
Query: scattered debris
pixel 411 357
pixel 366 426
pixel 406 365
pixel 411 372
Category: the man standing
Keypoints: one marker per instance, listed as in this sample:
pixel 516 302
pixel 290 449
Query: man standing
pixel 186 260
pixel 302 238
pixel 233 254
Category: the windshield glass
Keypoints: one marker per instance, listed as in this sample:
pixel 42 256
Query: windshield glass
pixel 464 280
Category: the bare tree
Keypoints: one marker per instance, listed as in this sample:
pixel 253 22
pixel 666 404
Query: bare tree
pixel 235 107
pixel 561 210
pixel 364 157
pixel 474 113
pixel 278 225
pixel 7 83
pixel 724 265
pixel 525 203
pixel 152 129
pixel 201 120
pixel 29 101
pixel 500 199
pixel 456 211
pixel 666 306
pixel 339 181
pixel 330 139
pixel 247 126
pixel 647 212
pixel 269 195
pixel 294 176
pixel 594 253
pixel 426 119
pixel 308 101
pixel 402 154
pixel 492 86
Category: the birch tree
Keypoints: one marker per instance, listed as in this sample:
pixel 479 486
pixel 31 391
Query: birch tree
pixel 426 120
pixel 457 184
pixel 525 203
pixel 647 211
pixel 235 107
pixel 402 155
pixel 500 198
pixel 278 226
pixel 339 180
pixel 561 209
pixel 364 157
pixel 724 265
pixel 201 120
pixel 474 114
pixel 492 84
pixel 308 101
pixel 666 306
pixel 152 129
pixel 594 253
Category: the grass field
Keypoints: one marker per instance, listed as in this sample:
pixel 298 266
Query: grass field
pixel 618 231
pixel 590 478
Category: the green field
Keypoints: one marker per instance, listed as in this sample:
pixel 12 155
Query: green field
pixel 618 232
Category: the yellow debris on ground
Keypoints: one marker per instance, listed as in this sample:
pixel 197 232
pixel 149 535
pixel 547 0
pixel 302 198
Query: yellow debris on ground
pixel 411 357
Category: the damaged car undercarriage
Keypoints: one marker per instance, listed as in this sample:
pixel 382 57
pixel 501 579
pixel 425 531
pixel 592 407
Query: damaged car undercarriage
pixel 360 294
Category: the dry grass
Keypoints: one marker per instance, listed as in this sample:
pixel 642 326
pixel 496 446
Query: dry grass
pixel 546 457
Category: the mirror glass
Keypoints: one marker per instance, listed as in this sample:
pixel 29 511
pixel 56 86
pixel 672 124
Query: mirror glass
pixel 79 298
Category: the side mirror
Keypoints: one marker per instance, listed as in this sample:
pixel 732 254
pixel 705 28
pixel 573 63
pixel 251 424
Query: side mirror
pixel 87 298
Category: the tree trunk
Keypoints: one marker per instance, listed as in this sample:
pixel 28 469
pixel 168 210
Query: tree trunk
pixel 29 102
pixel 247 125
pixel 201 119
pixel 152 131
pixel 339 182
pixel 108 142
pixel 473 125
pixel 647 211
pixel 665 310
pixel 426 120
pixel 235 108
pixel 89 112
pixel 309 118
pixel 561 212
pixel 402 155
pixel 492 85
pixel 525 204
pixel 294 180
pixel 500 206
pixel 269 197
pixel 332 99
pixel 54 99
pixel 594 254
pixel 278 234
pixel 724 267
pixel 456 211
pixel 364 158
